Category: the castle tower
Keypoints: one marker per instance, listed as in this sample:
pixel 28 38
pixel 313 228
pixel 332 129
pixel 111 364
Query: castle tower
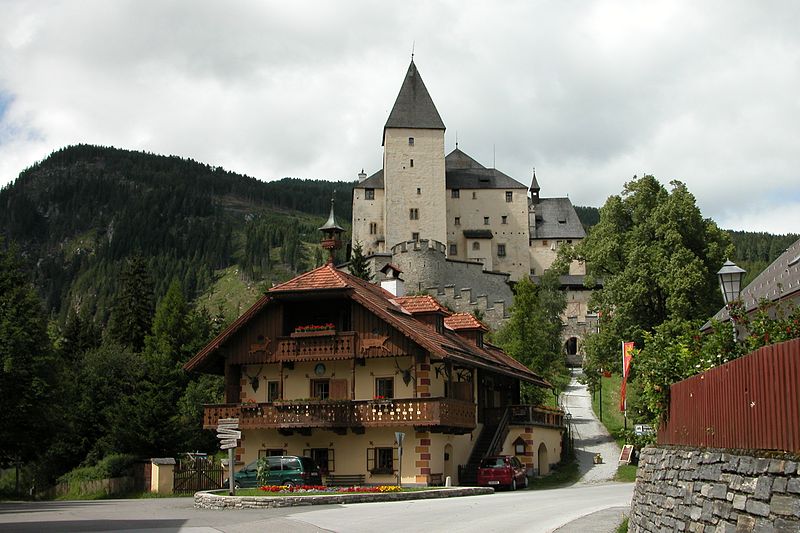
pixel 414 166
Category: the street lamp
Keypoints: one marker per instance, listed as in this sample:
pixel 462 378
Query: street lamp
pixel 730 283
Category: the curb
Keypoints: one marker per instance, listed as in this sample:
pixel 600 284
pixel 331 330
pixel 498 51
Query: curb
pixel 209 500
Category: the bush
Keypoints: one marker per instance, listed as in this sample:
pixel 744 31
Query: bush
pixel 115 465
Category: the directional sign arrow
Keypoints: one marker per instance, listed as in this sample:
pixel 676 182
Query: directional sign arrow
pixel 227 446
pixel 224 442
pixel 228 421
pixel 228 434
pixel 227 426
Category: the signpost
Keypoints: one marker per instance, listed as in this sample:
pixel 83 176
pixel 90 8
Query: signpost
pixel 400 436
pixel 229 435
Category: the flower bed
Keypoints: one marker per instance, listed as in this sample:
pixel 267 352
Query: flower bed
pixel 322 489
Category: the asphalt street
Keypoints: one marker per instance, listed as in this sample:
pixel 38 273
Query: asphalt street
pixel 527 511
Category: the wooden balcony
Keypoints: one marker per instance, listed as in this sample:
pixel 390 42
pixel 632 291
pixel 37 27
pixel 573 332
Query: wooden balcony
pixel 316 345
pixel 532 415
pixel 444 414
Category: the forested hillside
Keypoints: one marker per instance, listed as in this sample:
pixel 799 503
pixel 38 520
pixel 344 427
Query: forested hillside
pixel 81 212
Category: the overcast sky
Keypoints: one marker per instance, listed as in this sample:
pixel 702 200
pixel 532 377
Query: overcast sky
pixel 589 93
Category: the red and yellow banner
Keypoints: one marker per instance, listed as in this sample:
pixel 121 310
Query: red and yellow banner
pixel 627 355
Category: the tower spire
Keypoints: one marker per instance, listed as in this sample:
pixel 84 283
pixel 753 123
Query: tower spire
pixel 332 234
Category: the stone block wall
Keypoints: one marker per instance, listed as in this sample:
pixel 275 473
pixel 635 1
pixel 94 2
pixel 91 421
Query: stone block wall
pixel 705 490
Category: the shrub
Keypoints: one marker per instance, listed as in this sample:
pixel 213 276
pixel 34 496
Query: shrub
pixel 115 465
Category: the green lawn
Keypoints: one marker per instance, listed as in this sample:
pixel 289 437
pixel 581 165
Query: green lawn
pixel 560 476
pixel 613 418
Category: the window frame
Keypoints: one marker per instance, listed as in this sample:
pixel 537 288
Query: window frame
pixel 330 459
pixel 323 381
pixel 501 250
pixel 455 193
pixel 453 249
pixel 485 221
pixel 504 219
pixel 277 386
pixel 369 194
pixel 509 196
pixel 476 245
pixel 385 380
pixel 413 213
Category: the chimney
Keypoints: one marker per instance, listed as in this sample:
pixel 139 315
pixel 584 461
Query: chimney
pixel 393 283
pixel 362 176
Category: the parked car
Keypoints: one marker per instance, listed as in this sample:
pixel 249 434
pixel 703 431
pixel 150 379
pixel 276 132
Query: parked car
pixel 283 470
pixel 504 471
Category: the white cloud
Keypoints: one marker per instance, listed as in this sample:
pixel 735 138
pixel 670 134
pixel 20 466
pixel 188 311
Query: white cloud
pixel 590 94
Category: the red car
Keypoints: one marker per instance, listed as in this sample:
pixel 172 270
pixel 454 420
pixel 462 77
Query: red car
pixel 502 470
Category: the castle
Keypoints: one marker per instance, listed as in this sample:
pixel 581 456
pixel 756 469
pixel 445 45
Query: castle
pixel 457 228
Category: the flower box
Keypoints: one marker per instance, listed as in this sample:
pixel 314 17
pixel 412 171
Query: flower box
pixel 318 333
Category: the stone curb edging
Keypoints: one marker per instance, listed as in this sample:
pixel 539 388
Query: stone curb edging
pixel 209 500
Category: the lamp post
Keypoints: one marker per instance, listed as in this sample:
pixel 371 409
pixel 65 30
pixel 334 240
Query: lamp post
pixel 730 283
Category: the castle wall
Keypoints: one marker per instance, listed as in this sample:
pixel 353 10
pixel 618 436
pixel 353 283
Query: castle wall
pixel 470 208
pixel 366 212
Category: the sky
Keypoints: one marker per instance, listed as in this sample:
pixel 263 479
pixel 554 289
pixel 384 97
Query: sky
pixel 587 93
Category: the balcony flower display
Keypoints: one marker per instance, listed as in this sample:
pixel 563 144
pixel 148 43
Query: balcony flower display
pixel 315 327
pixel 313 330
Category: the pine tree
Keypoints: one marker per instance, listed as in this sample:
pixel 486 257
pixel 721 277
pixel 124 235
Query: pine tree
pixel 133 307
pixel 358 263
pixel 27 367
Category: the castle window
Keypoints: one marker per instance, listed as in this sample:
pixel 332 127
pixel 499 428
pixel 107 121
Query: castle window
pixel 476 245
pixel 419 191
pixel 415 236
pixel 474 195
pixel 504 219
pixel 501 250
pixel 413 213
pixel 458 221
pixel 509 196
pixel 485 221
pixel 373 228
pixel 369 194
pixel 455 193
pixel 411 141
pixel 453 249
pixel 411 163
pixel 544 242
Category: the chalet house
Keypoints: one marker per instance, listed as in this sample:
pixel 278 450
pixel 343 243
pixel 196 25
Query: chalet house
pixel 330 366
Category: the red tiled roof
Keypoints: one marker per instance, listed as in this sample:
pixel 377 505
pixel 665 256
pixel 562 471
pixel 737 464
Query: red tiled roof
pixel 421 304
pixel 324 277
pixel 446 345
pixel 459 321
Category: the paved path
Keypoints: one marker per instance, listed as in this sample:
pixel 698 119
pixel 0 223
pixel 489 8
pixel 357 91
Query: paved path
pixel 591 438
pixel 590 435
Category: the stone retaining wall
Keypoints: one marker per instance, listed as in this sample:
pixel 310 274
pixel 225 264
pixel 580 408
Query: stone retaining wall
pixel 704 490
pixel 209 500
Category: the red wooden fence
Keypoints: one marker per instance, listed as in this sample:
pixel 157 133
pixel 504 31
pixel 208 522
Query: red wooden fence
pixel 750 403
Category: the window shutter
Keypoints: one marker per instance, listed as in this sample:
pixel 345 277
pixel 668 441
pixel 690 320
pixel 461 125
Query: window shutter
pixel 338 390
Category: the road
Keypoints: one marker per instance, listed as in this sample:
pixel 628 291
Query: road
pixel 590 435
pixel 526 511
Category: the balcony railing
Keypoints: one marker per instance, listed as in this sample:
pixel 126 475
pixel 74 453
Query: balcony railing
pixel 523 415
pixel 299 348
pixel 430 412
